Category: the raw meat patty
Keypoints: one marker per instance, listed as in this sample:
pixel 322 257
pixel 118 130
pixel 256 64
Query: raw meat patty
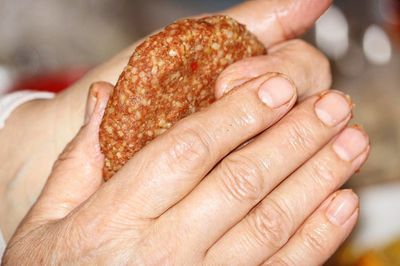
pixel 169 76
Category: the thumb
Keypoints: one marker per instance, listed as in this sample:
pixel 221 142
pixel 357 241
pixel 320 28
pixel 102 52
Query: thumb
pixel 77 173
pixel 274 21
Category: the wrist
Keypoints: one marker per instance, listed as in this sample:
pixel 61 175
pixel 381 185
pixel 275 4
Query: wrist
pixel 27 149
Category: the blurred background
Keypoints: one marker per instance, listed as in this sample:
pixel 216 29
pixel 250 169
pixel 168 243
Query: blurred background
pixel 48 44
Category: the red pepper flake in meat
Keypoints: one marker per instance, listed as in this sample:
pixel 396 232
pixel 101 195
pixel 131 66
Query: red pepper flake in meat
pixel 194 66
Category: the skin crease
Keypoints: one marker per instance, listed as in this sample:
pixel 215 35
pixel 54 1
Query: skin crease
pixel 124 217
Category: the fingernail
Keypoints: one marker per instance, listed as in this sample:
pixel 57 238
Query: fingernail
pixel 234 84
pixel 350 144
pixel 333 108
pixel 342 207
pixel 361 159
pixel 90 107
pixel 276 92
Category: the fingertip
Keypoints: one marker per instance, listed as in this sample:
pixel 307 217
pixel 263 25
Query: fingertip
pixel 239 73
pixel 351 223
pixel 274 89
pixel 278 91
pixel 342 207
pixel 348 227
pixel 98 97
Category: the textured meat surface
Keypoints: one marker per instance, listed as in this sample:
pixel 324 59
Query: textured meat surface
pixel 169 76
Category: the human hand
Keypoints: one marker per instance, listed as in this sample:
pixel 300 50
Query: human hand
pixel 192 197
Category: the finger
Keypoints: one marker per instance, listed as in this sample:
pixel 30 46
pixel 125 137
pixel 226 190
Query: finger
pixel 246 176
pixel 308 68
pixel 321 235
pixel 278 20
pixel 78 171
pixel 169 167
pixel 269 226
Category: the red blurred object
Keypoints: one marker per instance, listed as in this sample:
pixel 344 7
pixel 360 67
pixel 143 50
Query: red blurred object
pixel 393 24
pixel 53 81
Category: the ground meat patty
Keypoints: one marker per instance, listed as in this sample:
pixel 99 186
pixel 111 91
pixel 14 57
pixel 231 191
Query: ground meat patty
pixel 169 76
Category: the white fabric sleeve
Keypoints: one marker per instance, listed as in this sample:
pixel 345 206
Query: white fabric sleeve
pixel 9 102
pixel 2 246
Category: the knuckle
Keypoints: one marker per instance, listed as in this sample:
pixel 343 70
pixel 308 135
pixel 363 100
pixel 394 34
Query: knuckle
pixel 271 225
pixel 324 77
pixel 190 144
pixel 301 135
pixel 301 45
pixel 240 112
pixel 69 154
pixel 245 111
pixel 320 62
pixel 314 237
pixel 245 114
pixel 309 50
pixel 323 174
pixel 242 178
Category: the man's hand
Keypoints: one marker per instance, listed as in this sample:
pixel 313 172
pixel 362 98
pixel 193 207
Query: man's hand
pixel 38 131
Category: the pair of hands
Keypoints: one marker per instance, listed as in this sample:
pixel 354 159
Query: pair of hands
pixel 197 194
